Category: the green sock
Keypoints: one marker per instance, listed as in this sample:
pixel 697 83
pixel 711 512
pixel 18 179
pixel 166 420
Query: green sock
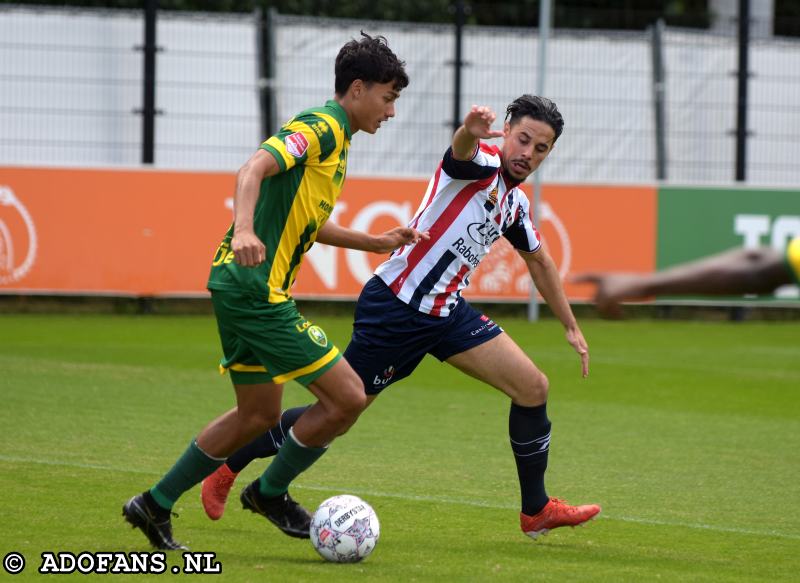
pixel 291 461
pixel 190 469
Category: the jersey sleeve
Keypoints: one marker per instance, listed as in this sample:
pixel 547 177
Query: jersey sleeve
pixel 306 139
pixel 483 164
pixel 521 233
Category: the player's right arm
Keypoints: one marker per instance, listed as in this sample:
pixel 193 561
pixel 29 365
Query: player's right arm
pixel 248 249
pixel 477 125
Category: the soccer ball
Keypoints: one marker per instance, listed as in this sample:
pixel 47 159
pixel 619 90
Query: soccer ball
pixel 344 529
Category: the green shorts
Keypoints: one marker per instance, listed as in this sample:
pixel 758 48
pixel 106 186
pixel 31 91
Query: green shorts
pixel 264 342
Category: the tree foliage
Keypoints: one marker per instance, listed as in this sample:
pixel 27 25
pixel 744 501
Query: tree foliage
pixel 607 14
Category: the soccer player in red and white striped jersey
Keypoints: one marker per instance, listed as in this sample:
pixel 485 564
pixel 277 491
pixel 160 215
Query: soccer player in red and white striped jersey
pixel 471 201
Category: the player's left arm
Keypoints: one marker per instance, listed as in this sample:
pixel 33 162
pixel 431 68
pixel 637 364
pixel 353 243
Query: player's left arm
pixel 338 236
pixel 545 275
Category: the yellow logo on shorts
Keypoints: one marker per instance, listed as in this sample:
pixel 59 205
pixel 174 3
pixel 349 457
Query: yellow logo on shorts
pixel 317 336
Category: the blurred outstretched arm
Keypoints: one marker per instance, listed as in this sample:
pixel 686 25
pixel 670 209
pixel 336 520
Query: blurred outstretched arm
pixel 738 271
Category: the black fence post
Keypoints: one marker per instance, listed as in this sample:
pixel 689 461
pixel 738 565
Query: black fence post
pixel 265 55
pixel 460 17
pixel 149 85
pixel 659 101
pixel 741 93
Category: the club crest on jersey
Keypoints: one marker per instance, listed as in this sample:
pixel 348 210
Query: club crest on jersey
pixel 491 200
pixel 296 144
pixel 317 336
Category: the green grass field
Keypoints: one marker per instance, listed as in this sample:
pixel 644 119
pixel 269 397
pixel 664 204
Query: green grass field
pixel 688 434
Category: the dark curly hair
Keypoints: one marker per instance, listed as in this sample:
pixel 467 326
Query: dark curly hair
pixel 539 108
pixel 371 60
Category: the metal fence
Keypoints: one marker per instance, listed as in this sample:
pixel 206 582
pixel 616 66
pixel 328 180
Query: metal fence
pixel 71 93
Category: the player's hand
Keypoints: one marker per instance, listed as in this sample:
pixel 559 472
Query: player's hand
pixel 397 237
pixel 248 250
pixel 578 342
pixel 610 290
pixel 478 122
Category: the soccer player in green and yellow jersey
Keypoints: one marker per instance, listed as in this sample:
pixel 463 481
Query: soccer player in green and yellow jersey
pixel 284 196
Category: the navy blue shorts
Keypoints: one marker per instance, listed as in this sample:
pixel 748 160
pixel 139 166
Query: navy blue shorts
pixel 390 338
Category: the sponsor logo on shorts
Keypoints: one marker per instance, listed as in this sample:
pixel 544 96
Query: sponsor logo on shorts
pixel 383 380
pixel 317 336
pixel 296 144
pixel 487 325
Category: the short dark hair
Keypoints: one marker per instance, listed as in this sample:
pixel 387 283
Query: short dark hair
pixel 539 108
pixel 371 60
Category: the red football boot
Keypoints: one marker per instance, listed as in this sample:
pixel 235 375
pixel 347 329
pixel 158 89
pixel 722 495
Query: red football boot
pixel 214 492
pixel 554 514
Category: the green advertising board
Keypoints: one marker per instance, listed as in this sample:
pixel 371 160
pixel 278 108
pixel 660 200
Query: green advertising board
pixel 697 221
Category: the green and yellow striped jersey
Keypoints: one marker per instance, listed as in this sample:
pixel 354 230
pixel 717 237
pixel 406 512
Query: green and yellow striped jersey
pixel 311 150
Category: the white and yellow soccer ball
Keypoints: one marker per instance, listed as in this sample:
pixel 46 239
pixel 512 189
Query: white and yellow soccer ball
pixel 345 529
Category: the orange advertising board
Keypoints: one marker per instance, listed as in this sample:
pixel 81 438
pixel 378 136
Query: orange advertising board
pixel 153 233
pixel 116 232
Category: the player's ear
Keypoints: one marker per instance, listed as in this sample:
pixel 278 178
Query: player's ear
pixel 506 129
pixel 356 88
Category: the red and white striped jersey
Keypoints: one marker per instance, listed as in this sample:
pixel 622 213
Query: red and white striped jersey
pixel 469 204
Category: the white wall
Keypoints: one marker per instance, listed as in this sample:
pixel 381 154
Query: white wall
pixel 70 81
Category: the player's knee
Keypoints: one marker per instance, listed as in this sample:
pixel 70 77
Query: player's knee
pixel 534 391
pixel 351 401
pixel 270 419
pixel 354 399
pixel 257 422
pixel 541 386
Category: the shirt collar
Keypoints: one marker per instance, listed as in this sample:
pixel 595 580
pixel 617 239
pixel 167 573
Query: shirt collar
pixel 340 114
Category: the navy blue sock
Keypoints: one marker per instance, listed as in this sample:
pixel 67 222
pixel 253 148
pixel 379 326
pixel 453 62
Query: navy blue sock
pixel 529 431
pixel 267 444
